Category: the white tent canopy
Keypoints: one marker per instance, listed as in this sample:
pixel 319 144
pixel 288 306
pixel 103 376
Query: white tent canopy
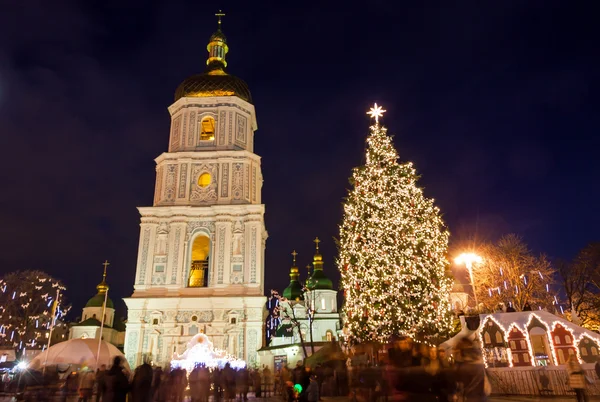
pixel 79 352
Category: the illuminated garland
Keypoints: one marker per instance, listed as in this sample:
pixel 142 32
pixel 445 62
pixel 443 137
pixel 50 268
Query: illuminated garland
pixel 393 246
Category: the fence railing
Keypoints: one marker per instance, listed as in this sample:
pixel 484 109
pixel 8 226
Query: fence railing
pixel 537 381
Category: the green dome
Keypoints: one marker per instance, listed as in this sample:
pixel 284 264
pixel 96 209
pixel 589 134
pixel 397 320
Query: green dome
pixel 98 301
pixel 319 280
pixel 293 291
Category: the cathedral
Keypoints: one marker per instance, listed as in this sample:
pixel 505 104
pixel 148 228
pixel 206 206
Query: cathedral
pixel 200 266
pixel 94 312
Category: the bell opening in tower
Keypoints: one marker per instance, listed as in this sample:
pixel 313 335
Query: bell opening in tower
pixel 199 263
pixel 207 129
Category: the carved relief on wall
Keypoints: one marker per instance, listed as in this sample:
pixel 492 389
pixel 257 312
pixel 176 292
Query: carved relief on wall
pixel 254 184
pixel 237 185
pixel 209 192
pixel 201 316
pixel 221 261
pixel 225 180
pixel 230 128
pixel 171 314
pixel 159 180
pixel 175 133
pixel 237 253
pixel 253 256
pixel 240 134
pixel 158 279
pixel 182 181
pixel 247 182
pixel 176 255
pixel 252 346
pixel 144 260
pixel 132 347
pixel 208 225
pixel 184 128
pixel 160 247
pixel 191 130
pixel 170 182
pixel 222 116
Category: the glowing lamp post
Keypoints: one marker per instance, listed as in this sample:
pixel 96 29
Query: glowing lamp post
pixel 468 259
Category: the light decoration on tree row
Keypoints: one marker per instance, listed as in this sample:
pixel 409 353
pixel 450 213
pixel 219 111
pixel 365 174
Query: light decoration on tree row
pixel 498 289
pixel 549 329
pixel 25 321
pixel 393 246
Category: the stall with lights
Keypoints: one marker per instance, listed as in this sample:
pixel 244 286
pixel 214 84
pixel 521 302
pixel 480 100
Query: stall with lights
pixel 530 339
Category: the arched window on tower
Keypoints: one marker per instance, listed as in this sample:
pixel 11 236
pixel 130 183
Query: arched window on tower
pixel 199 264
pixel 207 129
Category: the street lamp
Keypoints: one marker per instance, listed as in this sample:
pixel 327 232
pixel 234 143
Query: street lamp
pixel 468 259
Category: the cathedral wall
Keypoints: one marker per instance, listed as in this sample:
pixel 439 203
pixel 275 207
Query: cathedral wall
pixel 159 327
pixel 235 261
pixel 90 312
pixel 233 120
pixel 235 178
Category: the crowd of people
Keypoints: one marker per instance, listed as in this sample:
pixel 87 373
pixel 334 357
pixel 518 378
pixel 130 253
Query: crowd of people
pixel 425 373
pixel 408 371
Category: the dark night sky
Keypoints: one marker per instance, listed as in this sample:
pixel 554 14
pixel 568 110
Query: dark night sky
pixel 495 102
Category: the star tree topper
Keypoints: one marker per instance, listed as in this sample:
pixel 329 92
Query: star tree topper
pixel 376 112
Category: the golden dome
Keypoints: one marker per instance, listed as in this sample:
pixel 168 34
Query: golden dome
pixel 214 81
pixel 102 287
pixel 213 84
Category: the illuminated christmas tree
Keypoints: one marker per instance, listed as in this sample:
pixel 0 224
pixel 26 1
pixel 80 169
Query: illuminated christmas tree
pixel 393 246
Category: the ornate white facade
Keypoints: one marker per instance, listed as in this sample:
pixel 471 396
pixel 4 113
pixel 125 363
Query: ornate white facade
pixel 200 264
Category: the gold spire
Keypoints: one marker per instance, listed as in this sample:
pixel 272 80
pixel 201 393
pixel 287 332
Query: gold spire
pixel 217 50
pixel 318 258
pixel 103 286
pixel 294 274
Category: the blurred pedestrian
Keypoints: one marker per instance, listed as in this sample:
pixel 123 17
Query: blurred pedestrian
pixel 100 382
pixel 86 385
pixel 312 392
pixel 576 378
pixel 116 383
pixel 141 386
pixel 470 372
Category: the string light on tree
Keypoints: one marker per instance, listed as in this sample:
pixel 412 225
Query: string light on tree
pixel 393 245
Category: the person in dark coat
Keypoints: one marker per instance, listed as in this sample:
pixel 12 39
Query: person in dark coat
pixel 100 379
pixel 141 386
pixel 116 383
pixel 312 392
pixel 470 372
pixel 156 379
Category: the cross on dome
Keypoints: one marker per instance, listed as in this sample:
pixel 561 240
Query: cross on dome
pixel 219 15
pixel 376 112
pixel 294 254
pixel 317 241
pixel 106 264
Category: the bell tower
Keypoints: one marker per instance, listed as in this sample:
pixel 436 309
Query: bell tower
pixel 201 250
